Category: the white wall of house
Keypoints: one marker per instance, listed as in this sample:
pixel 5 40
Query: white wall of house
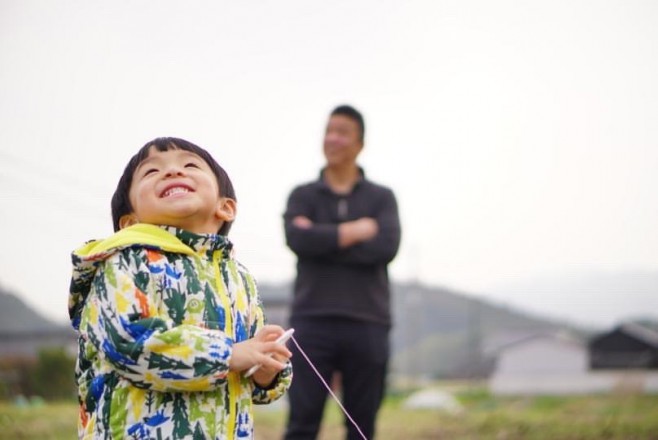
pixel 543 364
pixel 543 355
pixel 553 365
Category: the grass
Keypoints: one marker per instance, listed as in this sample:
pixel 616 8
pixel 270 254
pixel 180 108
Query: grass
pixel 484 417
pixel 52 421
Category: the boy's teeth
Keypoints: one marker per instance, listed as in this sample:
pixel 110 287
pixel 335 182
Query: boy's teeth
pixel 175 190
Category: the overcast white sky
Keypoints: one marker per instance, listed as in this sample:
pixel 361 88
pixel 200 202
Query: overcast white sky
pixel 520 137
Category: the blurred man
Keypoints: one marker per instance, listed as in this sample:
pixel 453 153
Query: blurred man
pixel 344 230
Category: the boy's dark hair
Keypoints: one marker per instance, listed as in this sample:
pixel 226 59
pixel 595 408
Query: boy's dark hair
pixel 352 113
pixel 121 201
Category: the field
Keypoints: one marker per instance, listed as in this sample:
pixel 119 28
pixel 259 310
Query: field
pixel 484 417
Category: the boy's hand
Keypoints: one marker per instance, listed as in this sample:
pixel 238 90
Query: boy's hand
pixel 256 351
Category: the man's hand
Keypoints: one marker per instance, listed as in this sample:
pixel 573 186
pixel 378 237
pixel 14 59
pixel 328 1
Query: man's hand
pixel 302 222
pixel 357 231
pixel 349 233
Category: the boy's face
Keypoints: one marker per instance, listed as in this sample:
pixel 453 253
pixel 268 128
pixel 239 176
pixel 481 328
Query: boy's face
pixel 177 188
pixel 342 141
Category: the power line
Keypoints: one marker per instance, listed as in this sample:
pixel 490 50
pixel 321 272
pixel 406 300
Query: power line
pixel 47 173
pixel 28 187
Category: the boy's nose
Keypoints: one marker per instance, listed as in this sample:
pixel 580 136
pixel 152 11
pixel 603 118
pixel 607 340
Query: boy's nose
pixel 174 171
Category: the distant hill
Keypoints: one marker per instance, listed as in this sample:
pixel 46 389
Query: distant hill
pixel 444 333
pixel 437 332
pixel 24 332
pixel 18 317
pixel 598 299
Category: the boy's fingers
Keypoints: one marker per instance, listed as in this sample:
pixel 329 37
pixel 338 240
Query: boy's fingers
pixel 278 352
pixel 269 332
pixel 274 364
pixel 274 346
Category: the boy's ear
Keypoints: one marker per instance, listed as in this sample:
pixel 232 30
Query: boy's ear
pixel 127 220
pixel 226 209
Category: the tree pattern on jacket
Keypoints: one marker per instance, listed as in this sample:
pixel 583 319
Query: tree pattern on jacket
pixel 156 329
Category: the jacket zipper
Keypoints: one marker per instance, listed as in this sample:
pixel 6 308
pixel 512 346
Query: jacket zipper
pixel 233 378
pixel 342 209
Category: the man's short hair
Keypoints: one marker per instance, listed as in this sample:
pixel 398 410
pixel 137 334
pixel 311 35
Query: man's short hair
pixel 354 114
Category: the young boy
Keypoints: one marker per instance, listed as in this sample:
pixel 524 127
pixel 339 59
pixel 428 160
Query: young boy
pixel 168 321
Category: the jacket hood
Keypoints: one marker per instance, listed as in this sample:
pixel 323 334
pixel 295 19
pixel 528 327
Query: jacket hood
pixel 87 258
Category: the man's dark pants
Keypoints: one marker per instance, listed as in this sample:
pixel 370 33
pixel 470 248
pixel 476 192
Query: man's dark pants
pixel 358 351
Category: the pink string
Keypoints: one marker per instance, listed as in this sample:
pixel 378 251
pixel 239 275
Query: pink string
pixel 317 373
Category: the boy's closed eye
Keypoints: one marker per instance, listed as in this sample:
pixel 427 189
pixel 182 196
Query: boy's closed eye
pixel 192 165
pixel 150 171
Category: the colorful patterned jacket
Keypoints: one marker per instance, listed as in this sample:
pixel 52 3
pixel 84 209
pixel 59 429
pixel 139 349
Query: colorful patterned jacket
pixel 158 310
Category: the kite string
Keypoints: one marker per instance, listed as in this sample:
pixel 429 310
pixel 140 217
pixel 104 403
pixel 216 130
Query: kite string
pixel 317 373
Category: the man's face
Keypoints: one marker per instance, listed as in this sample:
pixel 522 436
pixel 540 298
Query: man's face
pixel 342 141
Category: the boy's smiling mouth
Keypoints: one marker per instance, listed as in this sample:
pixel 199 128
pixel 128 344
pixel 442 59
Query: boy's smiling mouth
pixel 175 189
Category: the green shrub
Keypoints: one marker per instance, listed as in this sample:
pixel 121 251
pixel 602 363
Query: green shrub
pixel 53 374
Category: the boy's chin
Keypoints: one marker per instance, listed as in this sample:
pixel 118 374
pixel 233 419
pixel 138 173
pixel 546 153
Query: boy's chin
pixel 195 228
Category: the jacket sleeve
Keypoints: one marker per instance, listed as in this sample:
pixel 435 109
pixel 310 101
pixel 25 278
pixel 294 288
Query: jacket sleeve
pixel 282 381
pixel 384 246
pixel 263 396
pixel 320 240
pixel 142 346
